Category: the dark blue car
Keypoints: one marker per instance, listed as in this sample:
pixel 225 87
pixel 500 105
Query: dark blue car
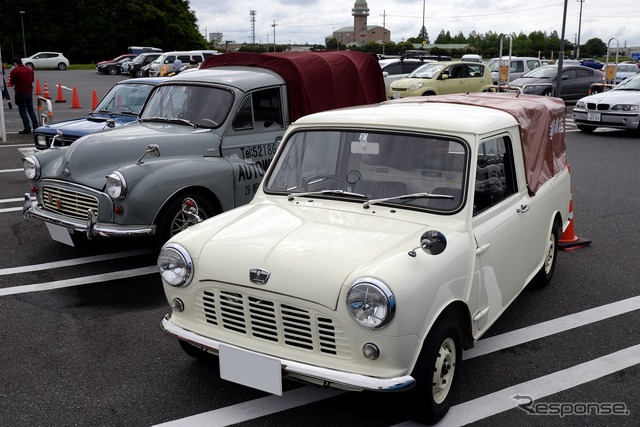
pixel 591 63
pixel 120 106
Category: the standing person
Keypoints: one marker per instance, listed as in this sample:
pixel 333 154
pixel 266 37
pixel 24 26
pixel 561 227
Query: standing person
pixel 177 64
pixel 22 79
pixel 5 89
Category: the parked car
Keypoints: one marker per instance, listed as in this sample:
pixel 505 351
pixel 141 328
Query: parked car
pixel 576 81
pixel 207 134
pixel 47 60
pixel 591 63
pixel 508 68
pixel 548 62
pixel 121 105
pixel 114 67
pixel 621 72
pixel 570 62
pixel 471 57
pixel 383 242
pixel 164 63
pixel 616 108
pixel 134 68
pixel 438 78
pixel 398 68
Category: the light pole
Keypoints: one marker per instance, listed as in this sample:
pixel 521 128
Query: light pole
pixel 579 25
pixel 24 43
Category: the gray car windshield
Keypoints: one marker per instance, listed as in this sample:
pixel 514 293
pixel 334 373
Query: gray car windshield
pixel 631 83
pixel 364 166
pixel 201 106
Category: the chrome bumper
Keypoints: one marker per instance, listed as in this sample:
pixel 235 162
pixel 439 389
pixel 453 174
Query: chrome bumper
pixel 310 373
pixel 90 226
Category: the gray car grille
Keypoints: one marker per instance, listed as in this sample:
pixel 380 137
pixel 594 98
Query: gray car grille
pixel 68 202
pixel 272 321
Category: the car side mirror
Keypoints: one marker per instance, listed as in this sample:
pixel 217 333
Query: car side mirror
pixel 432 242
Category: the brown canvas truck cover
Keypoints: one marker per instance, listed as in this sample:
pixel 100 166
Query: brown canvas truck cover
pixel 542 128
pixel 316 81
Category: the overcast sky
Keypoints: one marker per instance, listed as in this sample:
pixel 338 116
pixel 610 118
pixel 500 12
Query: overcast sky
pixel 309 21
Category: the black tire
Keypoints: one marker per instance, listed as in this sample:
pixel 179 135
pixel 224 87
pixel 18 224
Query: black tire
pixel 586 129
pixel 62 66
pixel 197 353
pixel 172 220
pixel 435 373
pixel 138 73
pixel 544 276
pixel 112 71
pixel 29 64
pixel 547 92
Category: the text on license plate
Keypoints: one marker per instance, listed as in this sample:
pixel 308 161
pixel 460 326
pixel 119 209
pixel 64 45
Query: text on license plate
pixel 593 117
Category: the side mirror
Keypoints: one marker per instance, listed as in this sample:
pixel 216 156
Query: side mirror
pixel 432 242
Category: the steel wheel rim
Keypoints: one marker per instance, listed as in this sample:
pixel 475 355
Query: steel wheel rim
pixel 444 370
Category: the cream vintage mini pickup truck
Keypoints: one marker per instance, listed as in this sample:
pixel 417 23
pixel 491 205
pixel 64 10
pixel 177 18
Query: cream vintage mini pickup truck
pixel 383 241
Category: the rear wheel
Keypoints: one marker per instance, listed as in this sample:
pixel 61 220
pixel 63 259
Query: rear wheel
pixel 547 92
pixel 435 373
pixel 62 66
pixel 545 274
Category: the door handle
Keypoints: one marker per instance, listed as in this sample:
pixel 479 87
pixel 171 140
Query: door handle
pixel 522 209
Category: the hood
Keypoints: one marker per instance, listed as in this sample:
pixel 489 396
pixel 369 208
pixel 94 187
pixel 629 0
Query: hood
pixel 88 160
pixel 309 250
pixel 407 82
pixel 85 126
pixel 614 97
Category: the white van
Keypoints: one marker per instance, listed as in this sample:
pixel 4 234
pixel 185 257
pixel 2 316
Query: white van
pixel 167 58
pixel 520 65
pixel 471 57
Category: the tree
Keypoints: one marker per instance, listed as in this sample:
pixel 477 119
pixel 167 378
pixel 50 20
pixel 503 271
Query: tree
pixel 593 47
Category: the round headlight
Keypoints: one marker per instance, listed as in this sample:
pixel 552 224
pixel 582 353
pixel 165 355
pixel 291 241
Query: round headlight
pixel 175 265
pixel 116 186
pixel 371 303
pixel 31 167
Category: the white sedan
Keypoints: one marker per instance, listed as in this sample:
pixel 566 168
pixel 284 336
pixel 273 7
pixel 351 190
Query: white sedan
pixel 54 60
pixel 618 108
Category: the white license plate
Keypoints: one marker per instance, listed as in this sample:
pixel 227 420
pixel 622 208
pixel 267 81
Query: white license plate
pixel 396 95
pixel 59 234
pixel 593 117
pixel 250 369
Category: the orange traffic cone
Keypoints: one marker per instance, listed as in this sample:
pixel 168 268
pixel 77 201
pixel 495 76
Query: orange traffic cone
pixel 60 95
pixel 38 89
pixel 569 240
pixel 75 102
pixel 94 102
pixel 46 91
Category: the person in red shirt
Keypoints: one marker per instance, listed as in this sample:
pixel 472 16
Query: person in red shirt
pixel 22 79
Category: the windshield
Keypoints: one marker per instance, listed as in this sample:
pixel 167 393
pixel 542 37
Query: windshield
pixel 364 165
pixel 201 106
pixel 427 71
pixel 544 72
pixel 631 83
pixel 125 99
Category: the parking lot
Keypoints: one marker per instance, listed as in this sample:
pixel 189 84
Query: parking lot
pixel 82 343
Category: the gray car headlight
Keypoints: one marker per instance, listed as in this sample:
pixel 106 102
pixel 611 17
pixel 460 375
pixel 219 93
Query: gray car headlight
pixel 371 303
pixel 116 186
pixel 175 265
pixel 624 107
pixel 31 167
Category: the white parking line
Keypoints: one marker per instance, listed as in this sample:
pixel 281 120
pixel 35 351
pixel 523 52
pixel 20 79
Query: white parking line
pixel 476 409
pixel 58 284
pixel 504 400
pixel 5 210
pixel 72 262
pixel 11 170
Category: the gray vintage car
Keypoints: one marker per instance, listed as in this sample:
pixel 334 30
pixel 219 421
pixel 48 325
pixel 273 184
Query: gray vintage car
pixel 207 135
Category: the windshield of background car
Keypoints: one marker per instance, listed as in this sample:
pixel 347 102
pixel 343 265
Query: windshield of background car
pixel 631 83
pixel 203 106
pixel 373 165
pixel 125 99
pixel 427 71
pixel 548 72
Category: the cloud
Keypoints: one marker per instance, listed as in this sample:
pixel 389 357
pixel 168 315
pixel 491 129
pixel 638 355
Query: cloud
pixel 310 21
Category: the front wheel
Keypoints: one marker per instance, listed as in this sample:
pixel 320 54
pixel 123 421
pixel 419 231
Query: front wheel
pixel 113 71
pixel 435 373
pixel 173 220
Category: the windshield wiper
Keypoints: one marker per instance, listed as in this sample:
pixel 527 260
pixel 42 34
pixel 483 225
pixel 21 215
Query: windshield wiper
pixel 291 196
pixel 368 203
pixel 169 120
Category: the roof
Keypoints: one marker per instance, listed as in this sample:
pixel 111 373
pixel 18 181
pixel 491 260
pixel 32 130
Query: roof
pixel 316 81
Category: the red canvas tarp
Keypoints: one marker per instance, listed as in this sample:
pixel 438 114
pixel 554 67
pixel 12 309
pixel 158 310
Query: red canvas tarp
pixel 542 128
pixel 316 81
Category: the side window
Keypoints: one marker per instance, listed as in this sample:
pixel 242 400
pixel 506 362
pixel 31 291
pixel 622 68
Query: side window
pixel 517 66
pixel 267 109
pixel 495 174
pixel 244 118
pixel 569 74
pixel 476 70
pixel 409 67
pixel 533 64
pixel 584 73
pixel 184 58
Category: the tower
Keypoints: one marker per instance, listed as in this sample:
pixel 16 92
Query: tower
pixel 360 12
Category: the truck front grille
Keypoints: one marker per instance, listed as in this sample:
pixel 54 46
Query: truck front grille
pixel 68 202
pixel 272 321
